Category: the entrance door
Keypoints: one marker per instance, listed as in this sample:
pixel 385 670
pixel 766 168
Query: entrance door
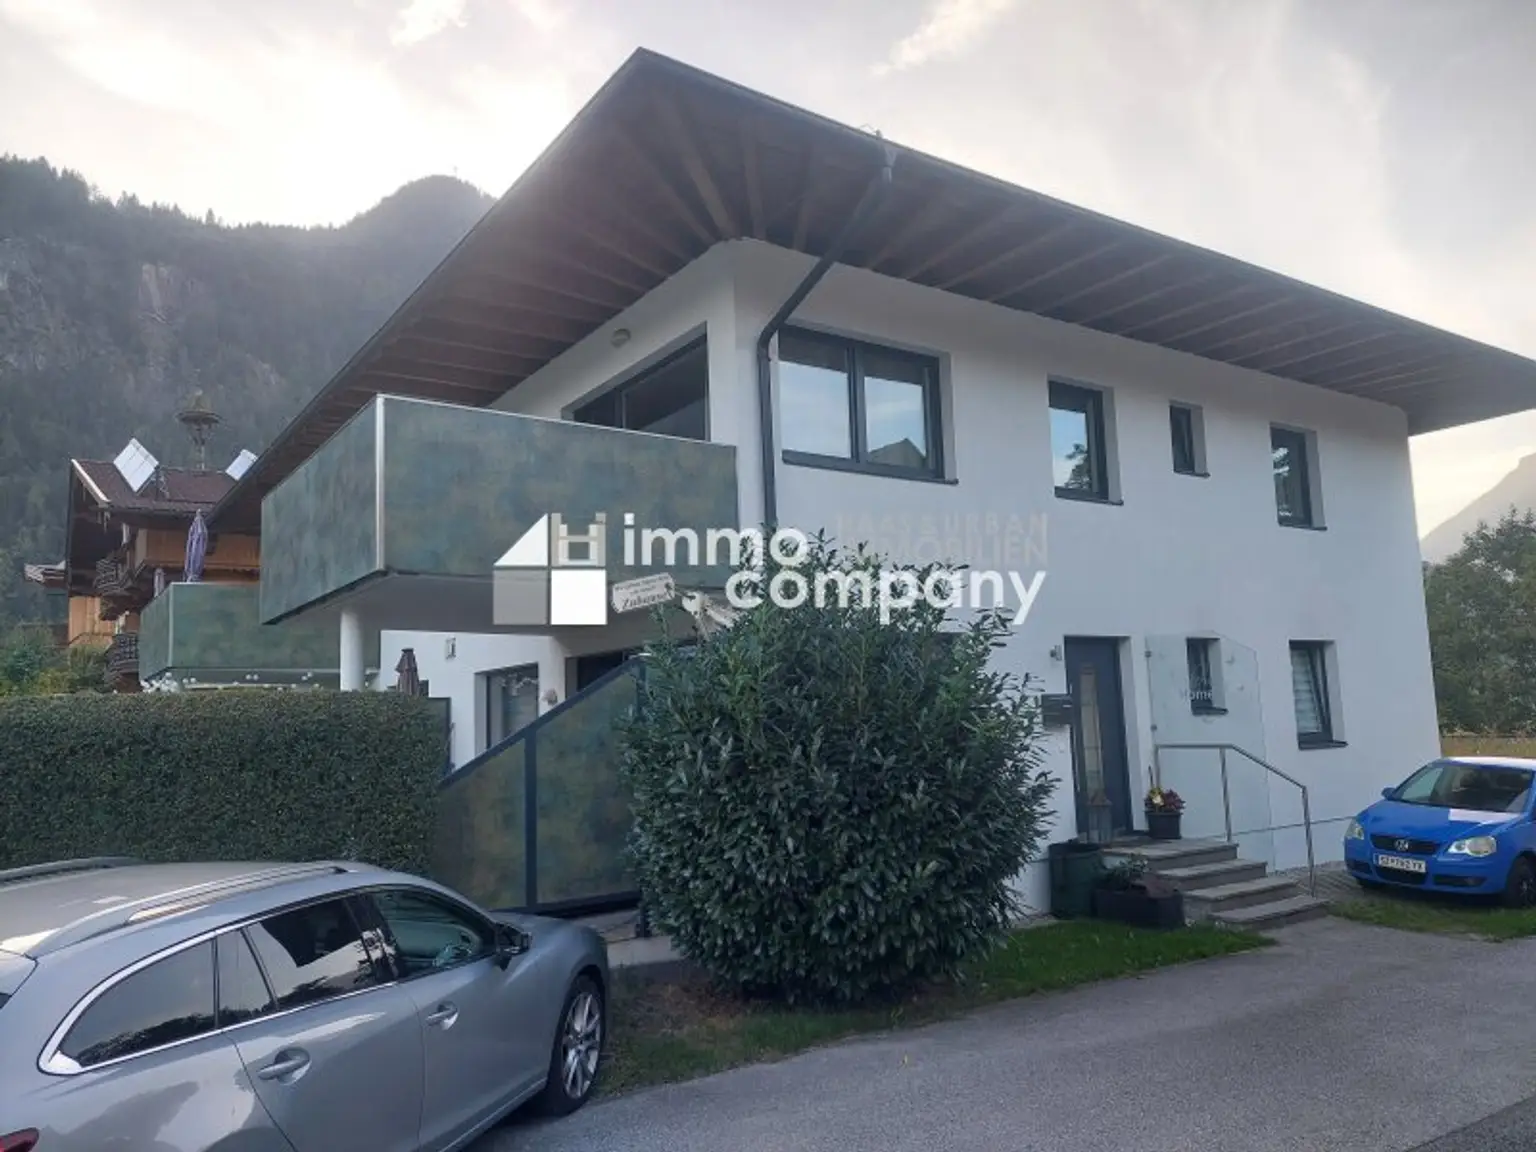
pixel 1100 772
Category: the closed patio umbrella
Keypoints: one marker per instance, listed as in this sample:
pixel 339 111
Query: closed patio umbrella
pixel 197 549
pixel 408 680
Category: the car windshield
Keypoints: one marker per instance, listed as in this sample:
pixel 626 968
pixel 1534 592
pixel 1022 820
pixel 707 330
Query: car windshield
pixel 1476 787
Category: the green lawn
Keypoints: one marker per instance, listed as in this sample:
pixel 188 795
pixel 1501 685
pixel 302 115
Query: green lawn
pixel 662 1032
pixel 1422 912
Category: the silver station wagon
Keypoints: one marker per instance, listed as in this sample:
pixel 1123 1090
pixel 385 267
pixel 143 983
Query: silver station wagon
pixel 281 1007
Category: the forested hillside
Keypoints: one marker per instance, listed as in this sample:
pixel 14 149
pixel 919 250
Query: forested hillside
pixel 111 312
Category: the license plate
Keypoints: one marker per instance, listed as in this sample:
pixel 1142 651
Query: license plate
pixel 1401 863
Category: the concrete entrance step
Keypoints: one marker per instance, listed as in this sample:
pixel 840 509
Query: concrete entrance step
pixel 1200 876
pixel 1291 910
pixel 1164 854
pixel 1206 903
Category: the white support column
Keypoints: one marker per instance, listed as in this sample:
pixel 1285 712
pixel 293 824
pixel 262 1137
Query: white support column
pixel 351 651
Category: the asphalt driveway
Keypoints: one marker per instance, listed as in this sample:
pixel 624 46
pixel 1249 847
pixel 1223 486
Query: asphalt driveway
pixel 1342 1036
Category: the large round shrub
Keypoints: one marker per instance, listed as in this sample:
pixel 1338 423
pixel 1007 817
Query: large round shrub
pixel 829 806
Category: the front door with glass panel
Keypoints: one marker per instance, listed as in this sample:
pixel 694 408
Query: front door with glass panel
pixel 1100 769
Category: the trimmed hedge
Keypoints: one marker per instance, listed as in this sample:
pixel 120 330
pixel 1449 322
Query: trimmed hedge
pixel 227 775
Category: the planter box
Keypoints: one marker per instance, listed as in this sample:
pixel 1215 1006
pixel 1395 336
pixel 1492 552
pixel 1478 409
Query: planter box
pixel 1139 909
pixel 1163 825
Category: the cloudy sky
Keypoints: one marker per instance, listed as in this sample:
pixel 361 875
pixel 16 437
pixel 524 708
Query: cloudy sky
pixel 1382 148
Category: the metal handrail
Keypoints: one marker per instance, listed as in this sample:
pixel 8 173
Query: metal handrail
pixel 1226 796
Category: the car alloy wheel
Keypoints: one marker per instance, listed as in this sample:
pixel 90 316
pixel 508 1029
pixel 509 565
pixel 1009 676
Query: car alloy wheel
pixel 1525 891
pixel 581 1044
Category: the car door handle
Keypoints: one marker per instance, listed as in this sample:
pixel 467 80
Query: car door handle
pixel 286 1064
pixel 443 1016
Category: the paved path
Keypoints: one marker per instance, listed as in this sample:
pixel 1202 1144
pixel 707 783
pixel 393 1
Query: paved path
pixel 1342 1036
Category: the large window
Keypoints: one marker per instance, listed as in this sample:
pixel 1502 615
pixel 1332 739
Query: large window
pixel 670 398
pixel 170 1000
pixel 1293 477
pixel 1079 458
pixel 848 404
pixel 313 953
pixel 1310 690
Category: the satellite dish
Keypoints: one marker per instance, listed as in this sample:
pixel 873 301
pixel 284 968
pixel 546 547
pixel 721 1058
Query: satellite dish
pixel 241 464
pixel 136 465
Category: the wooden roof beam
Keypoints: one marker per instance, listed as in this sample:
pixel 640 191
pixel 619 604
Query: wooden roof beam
pixel 683 136
pixel 643 161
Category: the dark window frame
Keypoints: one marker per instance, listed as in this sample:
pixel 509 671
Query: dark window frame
pixel 1298 445
pixel 1317 668
pixel 619 392
pixel 1200 658
pixel 1065 396
pixel 858 460
pixel 1185 414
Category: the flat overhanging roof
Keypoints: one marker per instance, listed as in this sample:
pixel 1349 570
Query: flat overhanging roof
pixel 666 161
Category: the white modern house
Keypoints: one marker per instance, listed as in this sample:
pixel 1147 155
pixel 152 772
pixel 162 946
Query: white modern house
pixel 705 308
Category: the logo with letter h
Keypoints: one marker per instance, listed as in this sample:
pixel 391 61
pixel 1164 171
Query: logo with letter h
pixel 552 578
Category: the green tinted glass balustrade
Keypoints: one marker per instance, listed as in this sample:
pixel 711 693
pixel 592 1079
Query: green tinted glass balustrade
pixel 576 848
pixel 214 632
pixel 418 488
pixel 481 843
pixel 584 814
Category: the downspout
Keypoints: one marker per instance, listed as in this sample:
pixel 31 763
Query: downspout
pixel 866 206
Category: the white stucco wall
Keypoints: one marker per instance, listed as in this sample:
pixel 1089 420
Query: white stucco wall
pixel 1181 556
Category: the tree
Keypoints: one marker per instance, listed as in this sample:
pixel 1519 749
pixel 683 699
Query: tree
pixel 1481 605
pixel 828 807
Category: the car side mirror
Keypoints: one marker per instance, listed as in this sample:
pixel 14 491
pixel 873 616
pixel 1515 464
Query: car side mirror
pixel 1386 793
pixel 510 942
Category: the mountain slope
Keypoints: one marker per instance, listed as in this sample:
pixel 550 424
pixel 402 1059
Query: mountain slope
pixel 112 312
pixel 1517 490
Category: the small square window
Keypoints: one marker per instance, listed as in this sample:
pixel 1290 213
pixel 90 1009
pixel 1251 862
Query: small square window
pixel 1205 695
pixel 1310 691
pixel 1187 432
pixel 1078 457
pixel 1293 477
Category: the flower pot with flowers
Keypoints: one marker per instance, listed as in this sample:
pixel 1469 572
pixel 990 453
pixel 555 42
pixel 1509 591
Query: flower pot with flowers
pixel 1163 806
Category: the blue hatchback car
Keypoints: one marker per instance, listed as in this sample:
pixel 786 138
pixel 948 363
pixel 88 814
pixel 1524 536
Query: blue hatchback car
pixel 1458 825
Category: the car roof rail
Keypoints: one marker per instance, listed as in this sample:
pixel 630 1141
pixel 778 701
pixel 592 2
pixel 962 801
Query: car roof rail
pixel 178 900
pixel 60 867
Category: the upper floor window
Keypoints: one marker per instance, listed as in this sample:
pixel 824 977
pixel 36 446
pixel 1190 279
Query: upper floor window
pixel 1079 458
pixel 1187 429
pixel 670 398
pixel 1290 451
pixel 846 403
